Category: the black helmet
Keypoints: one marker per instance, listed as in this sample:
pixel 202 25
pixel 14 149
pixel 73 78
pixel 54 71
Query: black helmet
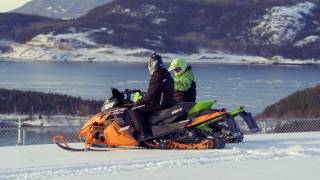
pixel 154 63
pixel 156 57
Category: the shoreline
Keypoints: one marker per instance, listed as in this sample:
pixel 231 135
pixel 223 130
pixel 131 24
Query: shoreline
pixel 58 120
pixel 165 61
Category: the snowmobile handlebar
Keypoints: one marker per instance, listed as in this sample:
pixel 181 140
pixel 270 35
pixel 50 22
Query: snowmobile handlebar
pixel 124 95
pixel 129 92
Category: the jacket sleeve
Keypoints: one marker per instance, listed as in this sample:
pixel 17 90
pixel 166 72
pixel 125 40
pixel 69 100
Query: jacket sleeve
pixel 184 82
pixel 153 90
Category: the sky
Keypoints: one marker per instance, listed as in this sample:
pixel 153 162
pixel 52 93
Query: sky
pixel 8 5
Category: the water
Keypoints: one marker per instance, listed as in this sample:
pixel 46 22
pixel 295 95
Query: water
pixel 254 86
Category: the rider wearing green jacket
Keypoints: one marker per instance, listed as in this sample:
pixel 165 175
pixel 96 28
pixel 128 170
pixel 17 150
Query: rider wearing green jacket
pixel 184 82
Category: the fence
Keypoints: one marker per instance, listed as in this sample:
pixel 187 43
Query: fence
pixel 39 131
pixel 10 136
pixel 27 135
pixel 290 125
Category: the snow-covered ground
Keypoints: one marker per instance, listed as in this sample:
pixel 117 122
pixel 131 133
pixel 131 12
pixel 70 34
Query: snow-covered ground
pixel 292 156
pixel 108 53
pixel 44 121
pixel 79 47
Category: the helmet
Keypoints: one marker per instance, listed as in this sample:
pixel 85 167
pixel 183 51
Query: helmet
pixel 178 63
pixel 154 63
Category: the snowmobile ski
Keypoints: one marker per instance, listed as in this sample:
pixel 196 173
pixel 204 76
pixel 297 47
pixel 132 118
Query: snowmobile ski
pixel 60 142
pixel 68 148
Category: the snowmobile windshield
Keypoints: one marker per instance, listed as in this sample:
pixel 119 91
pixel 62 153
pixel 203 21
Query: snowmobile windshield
pixel 108 104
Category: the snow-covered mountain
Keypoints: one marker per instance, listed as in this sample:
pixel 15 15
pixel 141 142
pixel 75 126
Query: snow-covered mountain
pixel 284 31
pixel 80 47
pixel 65 9
pixel 281 25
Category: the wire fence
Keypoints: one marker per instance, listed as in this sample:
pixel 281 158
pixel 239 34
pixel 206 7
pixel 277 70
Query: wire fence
pixel 12 134
pixel 23 131
pixel 290 125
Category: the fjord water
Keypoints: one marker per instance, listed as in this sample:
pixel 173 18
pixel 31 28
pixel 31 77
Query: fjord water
pixel 255 86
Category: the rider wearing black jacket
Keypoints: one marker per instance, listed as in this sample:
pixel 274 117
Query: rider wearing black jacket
pixel 160 95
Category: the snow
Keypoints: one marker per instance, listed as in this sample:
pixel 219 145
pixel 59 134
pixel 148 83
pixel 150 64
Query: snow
pixel 292 156
pixel 127 11
pixel 154 42
pixel 46 48
pixel 43 49
pixel 282 60
pixel 119 10
pixel 72 40
pixel 45 121
pixel 149 9
pixel 11 117
pixel 281 25
pixel 307 40
pixel 56 121
pixel 159 21
pixel 78 46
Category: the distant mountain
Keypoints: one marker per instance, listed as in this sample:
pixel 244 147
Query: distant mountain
pixel 65 9
pixel 288 28
pixel 9 21
pixel 20 27
pixel 303 104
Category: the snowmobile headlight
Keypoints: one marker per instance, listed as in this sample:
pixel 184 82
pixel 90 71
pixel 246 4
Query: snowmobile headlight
pixel 109 104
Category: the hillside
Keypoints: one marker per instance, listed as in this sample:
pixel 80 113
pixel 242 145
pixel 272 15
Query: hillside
pixel 19 27
pixel 304 104
pixel 287 28
pixel 60 8
pixel 28 102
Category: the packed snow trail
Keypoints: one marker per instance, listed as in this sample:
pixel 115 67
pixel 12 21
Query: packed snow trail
pixel 294 155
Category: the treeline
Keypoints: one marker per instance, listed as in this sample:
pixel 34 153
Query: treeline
pixel 301 104
pixel 29 102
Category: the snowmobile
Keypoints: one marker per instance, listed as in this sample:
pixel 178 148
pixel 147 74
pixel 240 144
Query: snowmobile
pixel 183 126
pixel 228 128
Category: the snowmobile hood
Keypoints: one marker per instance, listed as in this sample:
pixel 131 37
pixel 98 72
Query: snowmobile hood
pixel 200 106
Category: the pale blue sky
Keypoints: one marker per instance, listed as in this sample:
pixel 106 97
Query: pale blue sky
pixel 8 5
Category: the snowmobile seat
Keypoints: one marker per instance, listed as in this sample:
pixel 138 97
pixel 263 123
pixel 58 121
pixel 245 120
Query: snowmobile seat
pixel 187 106
pixel 169 115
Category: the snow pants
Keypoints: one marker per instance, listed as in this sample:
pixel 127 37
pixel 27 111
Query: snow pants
pixel 139 118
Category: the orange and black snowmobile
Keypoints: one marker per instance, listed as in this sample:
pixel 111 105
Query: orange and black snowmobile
pixel 173 128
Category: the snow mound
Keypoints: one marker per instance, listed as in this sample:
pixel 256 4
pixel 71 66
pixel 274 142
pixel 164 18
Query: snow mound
pixel 281 25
